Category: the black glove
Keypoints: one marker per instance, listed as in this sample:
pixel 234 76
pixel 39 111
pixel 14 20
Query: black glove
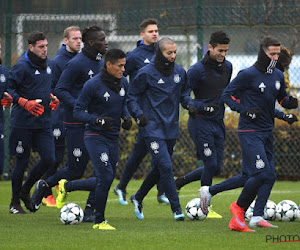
pixel 253 113
pixel 142 120
pixel 211 108
pixel 293 102
pixel 104 122
pixel 193 111
pixel 290 118
pixel 127 122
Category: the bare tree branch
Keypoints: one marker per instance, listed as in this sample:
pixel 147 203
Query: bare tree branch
pixel 289 16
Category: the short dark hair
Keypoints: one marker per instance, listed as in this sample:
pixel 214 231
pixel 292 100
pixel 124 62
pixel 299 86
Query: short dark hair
pixel 114 55
pixel 144 24
pixel 35 36
pixel 88 33
pixel 218 37
pixel 268 41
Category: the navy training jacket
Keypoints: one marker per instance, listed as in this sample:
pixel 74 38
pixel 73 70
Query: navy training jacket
pixel 77 71
pixel 138 58
pixel 256 89
pixel 98 100
pixel 29 81
pixel 211 89
pixel 57 64
pixel 158 97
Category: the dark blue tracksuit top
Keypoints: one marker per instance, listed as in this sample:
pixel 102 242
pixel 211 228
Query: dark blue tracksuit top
pixel 98 100
pixel 158 97
pixel 57 65
pixel 138 58
pixel 3 87
pixel 256 89
pixel 206 83
pixel 77 71
pixel 29 81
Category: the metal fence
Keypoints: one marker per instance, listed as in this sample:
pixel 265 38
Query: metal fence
pixel 190 24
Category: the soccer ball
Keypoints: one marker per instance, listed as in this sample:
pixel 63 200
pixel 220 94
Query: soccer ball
pixel 71 214
pixel 298 212
pixel 249 212
pixel 286 210
pixel 193 210
pixel 270 210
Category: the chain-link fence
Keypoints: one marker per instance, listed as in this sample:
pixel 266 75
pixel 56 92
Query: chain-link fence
pixel 190 24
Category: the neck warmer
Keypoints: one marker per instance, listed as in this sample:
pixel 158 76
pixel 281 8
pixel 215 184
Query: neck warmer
pixel 162 64
pixel 213 64
pixel 279 66
pixel 37 60
pixel 91 53
pixel 264 63
pixel 110 81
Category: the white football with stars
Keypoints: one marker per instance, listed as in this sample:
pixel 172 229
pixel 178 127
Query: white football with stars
pixel 193 210
pixel 71 214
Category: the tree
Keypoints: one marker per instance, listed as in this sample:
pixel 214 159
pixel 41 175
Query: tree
pixel 267 15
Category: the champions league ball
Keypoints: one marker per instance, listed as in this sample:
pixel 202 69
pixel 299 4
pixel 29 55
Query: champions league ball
pixel 286 210
pixel 193 210
pixel 270 210
pixel 249 212
pixel 71 214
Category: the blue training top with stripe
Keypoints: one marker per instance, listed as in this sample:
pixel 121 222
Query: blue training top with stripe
pixel 138 58
pixel 29 81
pixel 209 85
pixel 256 89
pixel 98 100
pixel 57 65
pixel 158 97
pixel 77 71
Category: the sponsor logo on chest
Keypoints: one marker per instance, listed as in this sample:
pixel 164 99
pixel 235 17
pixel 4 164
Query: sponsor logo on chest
pixel 48 70
pixel 106 96
pixel 91 73
pixel 263 87
pixel 160 81
pixel 176 79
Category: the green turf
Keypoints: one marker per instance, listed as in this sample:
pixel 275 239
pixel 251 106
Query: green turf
pixel 43 229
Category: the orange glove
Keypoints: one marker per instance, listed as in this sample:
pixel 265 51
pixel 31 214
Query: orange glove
pixel 33 106
pixel 7 100
pixel 54 102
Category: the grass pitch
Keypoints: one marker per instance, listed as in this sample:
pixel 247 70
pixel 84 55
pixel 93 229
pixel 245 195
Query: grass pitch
pixel 43 229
